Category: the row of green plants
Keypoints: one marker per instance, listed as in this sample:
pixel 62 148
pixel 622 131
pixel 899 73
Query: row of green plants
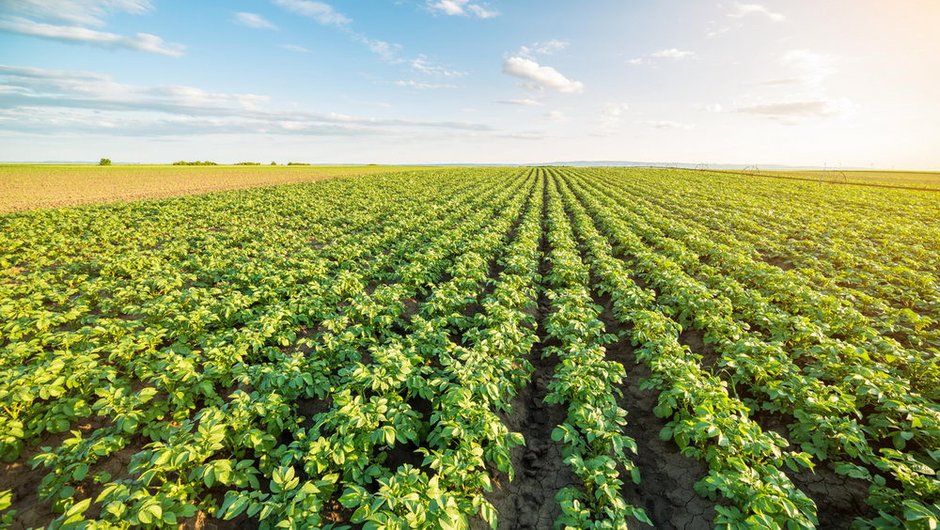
pixel 706 422
pixel 344 353
pixel 824 394
pixel 588 385
pixel 875 256
pixel 242 343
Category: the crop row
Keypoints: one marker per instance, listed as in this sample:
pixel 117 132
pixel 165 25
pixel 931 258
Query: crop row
pixel 351 352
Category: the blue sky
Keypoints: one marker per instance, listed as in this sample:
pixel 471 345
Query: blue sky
pixel 837 83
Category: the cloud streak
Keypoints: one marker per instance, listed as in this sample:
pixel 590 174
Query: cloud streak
pixel 524 102
pixel 462 8
pixel 46 94
pixel 418 85
pixel 321 12
pixel 743 10
pixel 143 42
pixel 674 54
pixel 76 12
pixel 793 110
pixel 253 20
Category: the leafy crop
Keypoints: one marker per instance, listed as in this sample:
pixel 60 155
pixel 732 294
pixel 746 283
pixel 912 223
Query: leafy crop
pixel 350 352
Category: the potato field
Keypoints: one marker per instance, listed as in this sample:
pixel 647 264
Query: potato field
pixel 518 348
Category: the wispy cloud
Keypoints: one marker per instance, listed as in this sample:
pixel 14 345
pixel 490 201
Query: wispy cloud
pixel 321 12
pixel 387 51
pixel 418 85
pixel 462 8
pixel 790 111
pixel 674 54
pixel 48 95
pixel 612 112
pixel 611 117
pixel 423 65
pixel 525 102
pixel 326 15
pixel 144 42
pixel 740 10
pixel 555 115
pixel 253 20
pixel 79 21
pixel 77 12
pixel 548 47
pixel 542 76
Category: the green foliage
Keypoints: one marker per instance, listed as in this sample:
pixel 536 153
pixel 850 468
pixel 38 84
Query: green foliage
pixel 353 347
pixel 104 162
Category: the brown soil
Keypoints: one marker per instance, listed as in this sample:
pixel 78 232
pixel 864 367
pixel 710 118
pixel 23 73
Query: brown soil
pixel 667 478
pixel 528 502
pixel 839 500
pixel 695 340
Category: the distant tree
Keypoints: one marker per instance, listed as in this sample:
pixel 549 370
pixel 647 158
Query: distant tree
pixel 273 163
pixel 297 164
pixel 104 162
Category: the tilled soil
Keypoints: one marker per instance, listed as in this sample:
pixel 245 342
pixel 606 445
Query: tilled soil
pixel 667 478
pixel 528 502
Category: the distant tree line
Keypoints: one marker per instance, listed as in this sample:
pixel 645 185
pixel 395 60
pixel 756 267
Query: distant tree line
pixel 297 164
pixel 247 163
pixel 194 163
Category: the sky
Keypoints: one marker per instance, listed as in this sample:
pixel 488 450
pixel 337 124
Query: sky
pixel 834 83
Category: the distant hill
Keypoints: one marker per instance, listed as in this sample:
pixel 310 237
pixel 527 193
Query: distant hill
pixel 683 165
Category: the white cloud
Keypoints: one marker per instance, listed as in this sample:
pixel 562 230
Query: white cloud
pixel 418 85
pixel 714 107
pixel 615 110
pixel 144 42
pixel 667 124
pixel 742 10
pixel 525 102
pixel 462 8
pixel 326 15
pixel 542 76
pixel 322 12
pixel 555 115
pixel 792 110
pixel 294 48
pixel 544 48
pixel 423 65
pixel 718 30
pixel 253 20
pixel 47 96
pixel 673 53
pixel 79 12
pixel 612 114
pixel 383 49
